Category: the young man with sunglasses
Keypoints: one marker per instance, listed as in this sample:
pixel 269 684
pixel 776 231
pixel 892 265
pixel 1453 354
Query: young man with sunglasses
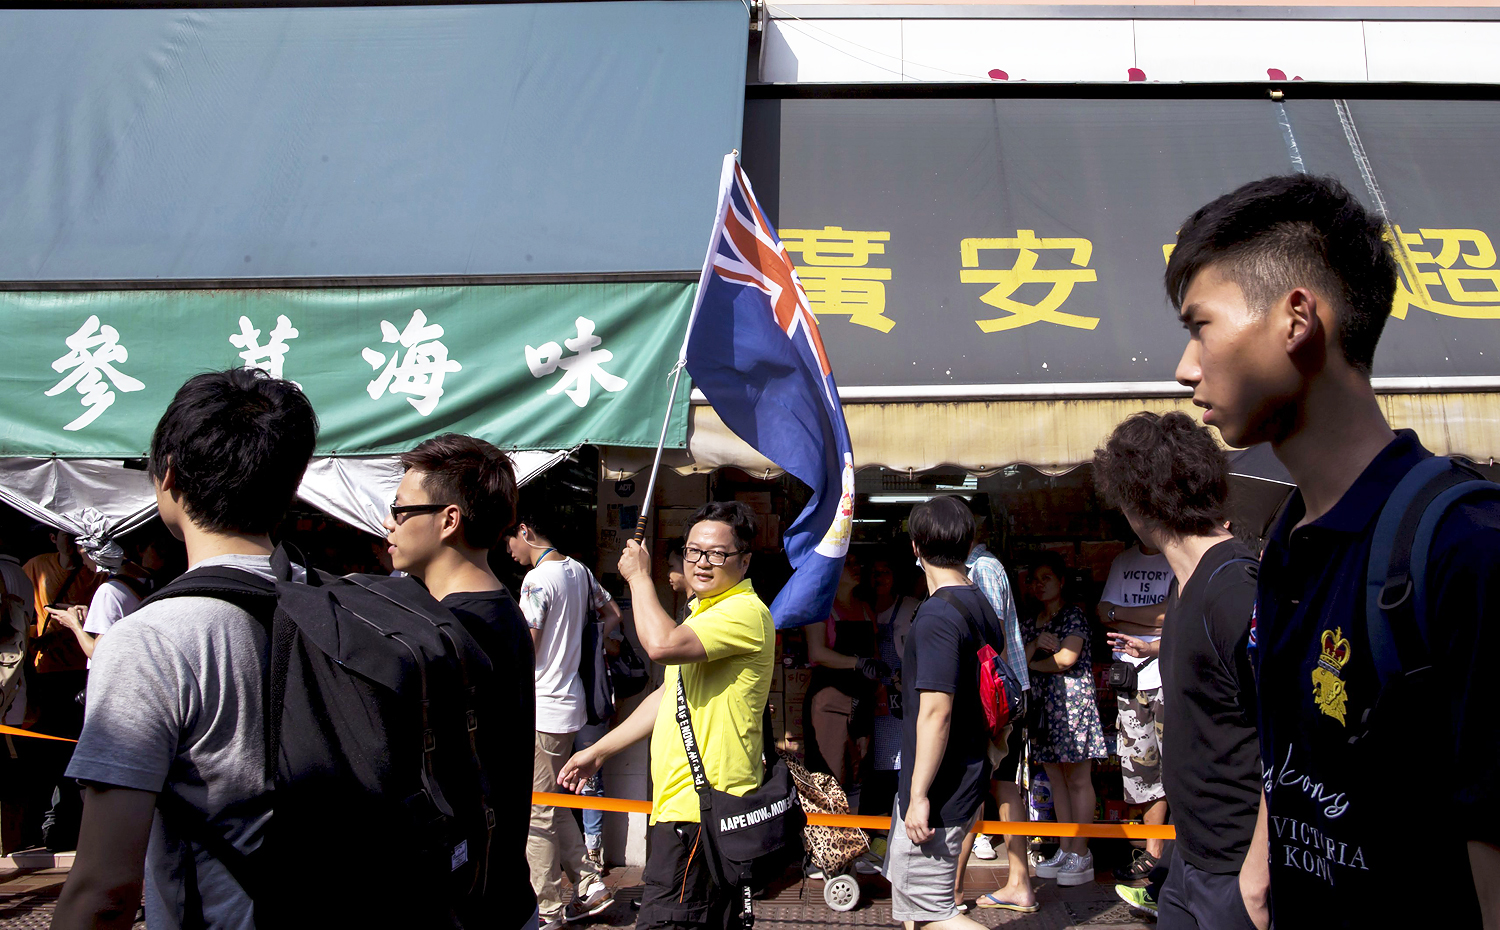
pixel 723 653
pixel 455 501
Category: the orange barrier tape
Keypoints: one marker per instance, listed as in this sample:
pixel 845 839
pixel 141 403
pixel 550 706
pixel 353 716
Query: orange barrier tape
pixel 16 731
pixel 1129 831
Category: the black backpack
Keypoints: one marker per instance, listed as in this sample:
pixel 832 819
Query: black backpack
pixel 376 750
pixel 1396 591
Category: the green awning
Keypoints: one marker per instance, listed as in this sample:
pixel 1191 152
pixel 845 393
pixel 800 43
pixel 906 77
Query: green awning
pixel 88 374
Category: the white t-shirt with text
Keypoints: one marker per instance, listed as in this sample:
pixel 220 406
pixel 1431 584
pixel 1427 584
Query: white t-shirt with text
pixel 555 597
pixel 1139 580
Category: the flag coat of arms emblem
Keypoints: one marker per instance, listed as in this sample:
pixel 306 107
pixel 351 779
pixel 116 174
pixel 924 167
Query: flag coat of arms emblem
pixel 754 350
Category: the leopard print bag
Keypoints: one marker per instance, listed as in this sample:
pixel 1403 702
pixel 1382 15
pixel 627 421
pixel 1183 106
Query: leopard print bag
pixel 833 849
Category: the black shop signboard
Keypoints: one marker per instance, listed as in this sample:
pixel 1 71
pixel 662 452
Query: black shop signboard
pixel 1023 241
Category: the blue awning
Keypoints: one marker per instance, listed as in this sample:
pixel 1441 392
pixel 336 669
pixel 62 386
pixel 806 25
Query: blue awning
pixel 514 139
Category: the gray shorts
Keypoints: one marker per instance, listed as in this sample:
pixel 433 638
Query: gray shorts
pixel 922 877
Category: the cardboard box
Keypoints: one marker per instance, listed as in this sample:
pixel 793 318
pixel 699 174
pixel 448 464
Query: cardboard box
pixel 671 522
pixel 797 682
pixel 778 680
pixel 767 533
pixel 794 720
pixel 759 501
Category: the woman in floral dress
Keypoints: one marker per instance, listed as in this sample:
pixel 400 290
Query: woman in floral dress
pixel 1069 736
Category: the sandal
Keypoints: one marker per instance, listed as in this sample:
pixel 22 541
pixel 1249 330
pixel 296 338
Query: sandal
pixel 989 900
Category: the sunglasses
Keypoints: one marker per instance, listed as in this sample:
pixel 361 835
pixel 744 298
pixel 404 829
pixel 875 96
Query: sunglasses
pixel 399 512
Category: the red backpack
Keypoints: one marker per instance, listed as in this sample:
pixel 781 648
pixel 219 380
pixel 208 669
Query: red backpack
pixel 1000 691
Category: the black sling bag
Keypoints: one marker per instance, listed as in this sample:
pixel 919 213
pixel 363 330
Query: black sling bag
pixel 751 839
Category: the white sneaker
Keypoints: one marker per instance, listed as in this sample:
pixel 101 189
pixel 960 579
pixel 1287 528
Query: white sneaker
pixel 983 848
pixel 1047 868
pixel 1077 870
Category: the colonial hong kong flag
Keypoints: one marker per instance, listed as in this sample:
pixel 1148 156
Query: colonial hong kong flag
pixel 754 350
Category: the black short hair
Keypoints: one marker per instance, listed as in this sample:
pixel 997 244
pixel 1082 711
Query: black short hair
pixel 737 514
pixel 238 442
pixel 474 475
pixel 943 531
pixel 1278 233
pixel 1167 470
pixel 539 515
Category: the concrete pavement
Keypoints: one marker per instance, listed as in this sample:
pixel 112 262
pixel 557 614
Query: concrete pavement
pixel 29 886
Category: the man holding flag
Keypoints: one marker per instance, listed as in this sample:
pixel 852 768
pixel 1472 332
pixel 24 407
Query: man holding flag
pixel 723 656
pixel 753 348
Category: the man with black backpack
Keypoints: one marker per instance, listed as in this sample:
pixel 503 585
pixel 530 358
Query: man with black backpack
pixel 947 749
pixel 1168 476
pixel 1378 613
pixel 456 500
pixel 175 697
pixel 559 599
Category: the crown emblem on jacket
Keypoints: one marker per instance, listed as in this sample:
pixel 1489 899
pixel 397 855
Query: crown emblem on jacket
pixel 1335 650
pixel 1329 693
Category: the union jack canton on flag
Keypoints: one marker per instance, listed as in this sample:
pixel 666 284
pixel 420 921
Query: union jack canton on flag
pixel 754 350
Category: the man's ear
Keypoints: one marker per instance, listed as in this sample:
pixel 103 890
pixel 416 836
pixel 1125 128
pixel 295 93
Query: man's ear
pixel 1305 328
pixel 452 525
pixel 168 480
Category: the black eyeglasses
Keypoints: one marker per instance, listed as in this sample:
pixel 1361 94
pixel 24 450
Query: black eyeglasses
pixel 403 510
pixel 714 556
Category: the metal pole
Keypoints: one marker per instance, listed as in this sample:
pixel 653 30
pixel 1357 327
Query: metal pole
pixel 640 526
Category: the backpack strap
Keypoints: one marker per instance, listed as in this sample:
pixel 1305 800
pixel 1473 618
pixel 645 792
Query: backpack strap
pixel 257 597
pixel 946 594
pixel 1395 614
pixel 1206 631
pixel 690 744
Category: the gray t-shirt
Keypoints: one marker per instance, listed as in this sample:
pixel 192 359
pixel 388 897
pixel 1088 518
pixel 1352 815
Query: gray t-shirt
pixel 175 704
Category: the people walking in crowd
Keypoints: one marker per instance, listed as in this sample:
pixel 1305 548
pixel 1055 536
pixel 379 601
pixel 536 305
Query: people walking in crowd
pixel 612 630
pixel 894 615
pixel 1167 475
pixel 456 500
pixel 986 572
pixel 1131 603
pixel 1284 286
pixel 947 755
pixel 17 616
pixel 1069 736
pixel 59 671
pixel 723 656
pixel 130 568
pixel 557 595
pixel 175 700
pixel 839 710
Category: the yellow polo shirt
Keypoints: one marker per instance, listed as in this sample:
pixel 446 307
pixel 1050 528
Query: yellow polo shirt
pixel 726 697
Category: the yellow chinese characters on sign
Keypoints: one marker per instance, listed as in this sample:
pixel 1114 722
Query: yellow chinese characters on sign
pixel 835 274
pixel 1458 261
pixel 1023 270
